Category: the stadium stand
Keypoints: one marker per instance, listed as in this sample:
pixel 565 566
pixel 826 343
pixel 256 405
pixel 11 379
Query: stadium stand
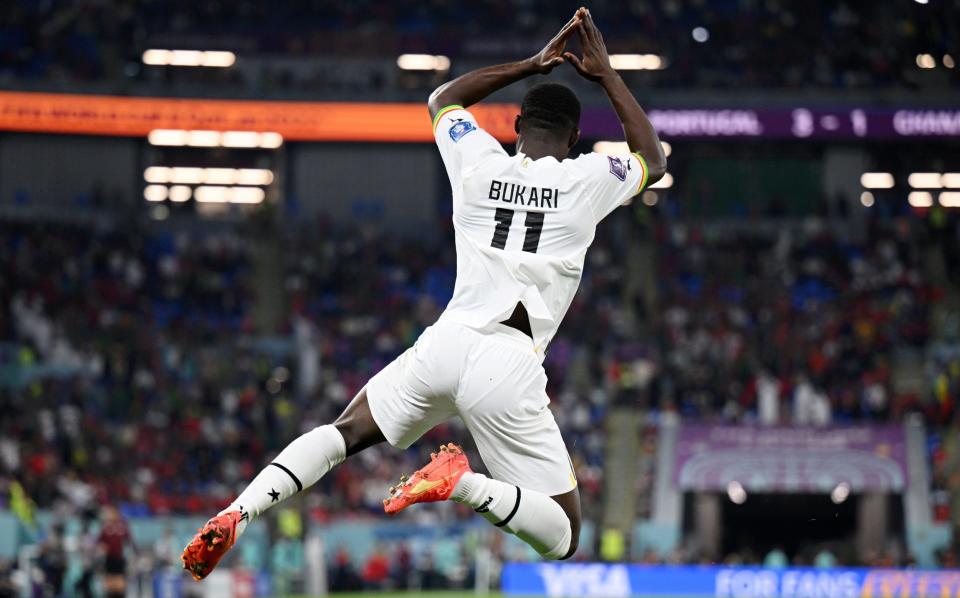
pixel 154 355
pixel 173 377
pixel 824 45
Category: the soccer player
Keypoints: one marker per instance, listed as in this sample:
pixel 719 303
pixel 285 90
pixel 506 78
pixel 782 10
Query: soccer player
pixel 523 224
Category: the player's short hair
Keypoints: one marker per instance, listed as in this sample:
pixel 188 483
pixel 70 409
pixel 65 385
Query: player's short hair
pixel 552 107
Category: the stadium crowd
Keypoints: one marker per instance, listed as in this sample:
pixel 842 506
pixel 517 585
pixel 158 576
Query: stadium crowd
pixel 823 44
pixel 171 403
pixel 131 370
pixel 796 325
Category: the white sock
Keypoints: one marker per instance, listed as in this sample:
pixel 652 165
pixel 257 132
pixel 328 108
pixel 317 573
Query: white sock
pixel 297 467
pixel 532 516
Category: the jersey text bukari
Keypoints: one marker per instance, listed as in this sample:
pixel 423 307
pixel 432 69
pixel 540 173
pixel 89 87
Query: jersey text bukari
pixel 538 197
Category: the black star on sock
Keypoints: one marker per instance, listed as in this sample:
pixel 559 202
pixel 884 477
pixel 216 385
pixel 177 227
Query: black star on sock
pixel 274 495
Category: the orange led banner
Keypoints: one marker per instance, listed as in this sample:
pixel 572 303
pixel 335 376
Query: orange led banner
pixel 296 121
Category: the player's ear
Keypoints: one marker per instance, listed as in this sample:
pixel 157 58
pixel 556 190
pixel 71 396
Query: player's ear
pixel 516 125
pixel 574 137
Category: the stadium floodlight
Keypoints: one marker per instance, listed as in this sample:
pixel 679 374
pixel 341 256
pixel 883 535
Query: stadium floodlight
pixel 920 199
pixel 223 194
pixel 423 62
pixel 840 493
pixel 215 59
pixel 220 176
pixel 620 148
pixel 157 174
pixel 204 138
pixel 700 34
pixel 951 180
pixel 237 139
pixel 155 192
pixel 167 137
pixel 612 148
pixel 925 180
pixel 195 175
pixel 240 139
pixel 736 493
pixel 180 193
pixel 247 195
pixel 157 57
pixel 187 175
pixel 950 199
pixel 209 58
pixel 636 62
pixel 649 198
pixel 948 61
pixel 877 180
pixel 866 199
pixel 212 194
pixel 926 61
pixel 665 183
pixel 254 176
pixel 186 58
pixel 271 140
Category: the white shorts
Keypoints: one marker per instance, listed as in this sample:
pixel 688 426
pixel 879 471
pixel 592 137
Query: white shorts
pixel 495 382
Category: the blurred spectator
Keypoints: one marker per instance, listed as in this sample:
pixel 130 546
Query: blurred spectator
pixel 166 551
pixel 114 540
pixel 7 589
pixel 53 560
pixel 819 45
pixel 749 315
pixel 430 577
pixel 768 398
pixel 824 559
pixel 810 406
pixel 343 577
pixel 402 567
pixel 376 571
pixel 776 559
pixel 87 545
pixel 151 388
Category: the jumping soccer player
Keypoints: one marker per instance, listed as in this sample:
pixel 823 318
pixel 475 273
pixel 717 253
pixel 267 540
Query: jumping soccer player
pixel 523 225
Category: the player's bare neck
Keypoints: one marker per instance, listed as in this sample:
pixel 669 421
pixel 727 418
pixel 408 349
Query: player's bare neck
pixel 536 147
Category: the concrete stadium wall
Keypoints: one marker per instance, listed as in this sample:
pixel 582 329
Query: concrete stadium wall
pixel 67 169
pixel 394 185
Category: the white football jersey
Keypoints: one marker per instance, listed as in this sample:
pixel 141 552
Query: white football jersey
pixel 523 226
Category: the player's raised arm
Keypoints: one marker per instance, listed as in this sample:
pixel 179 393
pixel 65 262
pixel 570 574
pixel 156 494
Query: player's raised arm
pixel 472 87
pixel 595 66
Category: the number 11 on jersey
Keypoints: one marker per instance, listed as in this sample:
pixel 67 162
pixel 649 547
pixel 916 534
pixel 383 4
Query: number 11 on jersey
pixel 504 218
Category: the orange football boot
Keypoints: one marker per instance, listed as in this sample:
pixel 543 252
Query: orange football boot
pixel 212 541
pixel 434 482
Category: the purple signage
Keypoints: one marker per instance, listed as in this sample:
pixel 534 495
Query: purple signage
pixel 787 123
pixel 784 459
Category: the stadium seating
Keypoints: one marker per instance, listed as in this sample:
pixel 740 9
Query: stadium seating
pixel 175 376
pixel 824 45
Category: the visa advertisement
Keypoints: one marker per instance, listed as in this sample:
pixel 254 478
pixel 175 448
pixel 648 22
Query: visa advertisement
pixel 602 580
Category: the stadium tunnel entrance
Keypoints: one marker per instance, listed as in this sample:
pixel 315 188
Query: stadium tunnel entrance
pixel 745 529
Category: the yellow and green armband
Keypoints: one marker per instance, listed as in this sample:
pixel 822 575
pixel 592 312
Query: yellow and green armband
pixel 444 110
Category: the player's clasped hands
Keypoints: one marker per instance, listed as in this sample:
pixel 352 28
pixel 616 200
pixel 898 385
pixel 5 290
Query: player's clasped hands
pixel 594 65
pixel 595 62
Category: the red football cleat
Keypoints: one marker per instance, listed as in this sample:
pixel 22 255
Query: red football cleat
pixel 432 483
pixel 212 541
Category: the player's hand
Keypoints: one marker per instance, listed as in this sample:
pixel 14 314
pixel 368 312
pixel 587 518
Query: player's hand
pixel 595 63
pixel 552 54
